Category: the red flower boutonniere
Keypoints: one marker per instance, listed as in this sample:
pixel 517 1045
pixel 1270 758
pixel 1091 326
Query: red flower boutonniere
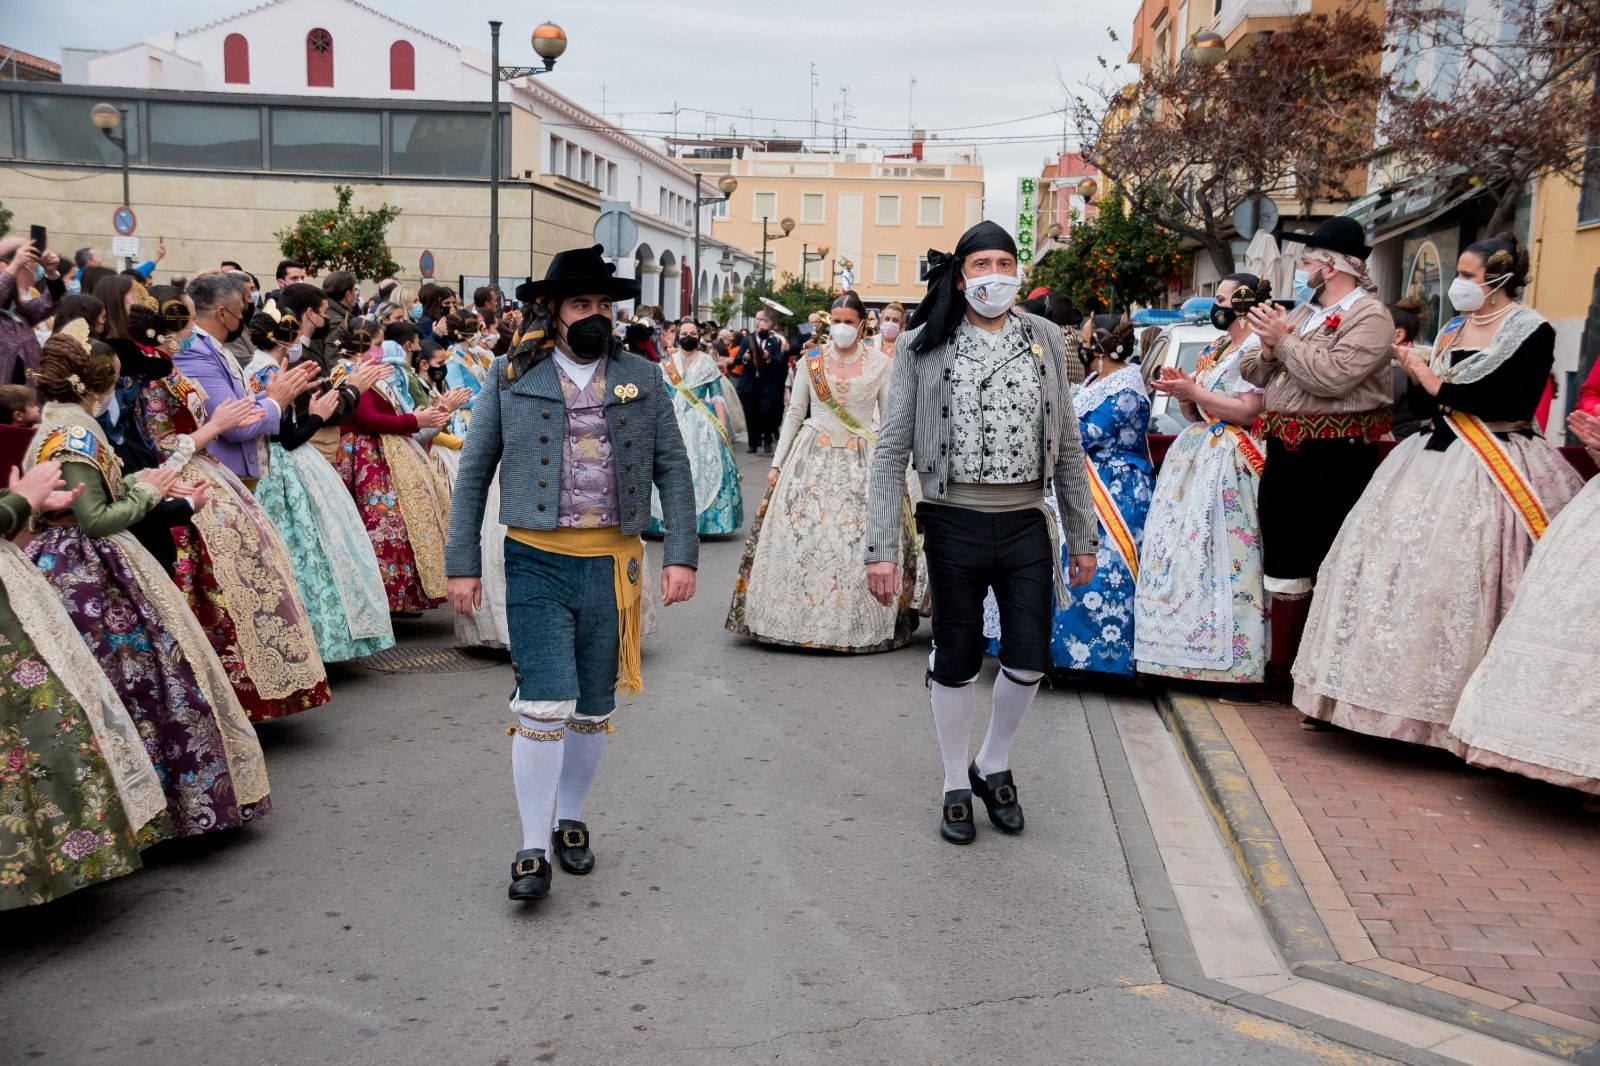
pixel 1330 325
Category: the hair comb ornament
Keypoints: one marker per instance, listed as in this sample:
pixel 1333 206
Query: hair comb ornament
pixel 175 316
pixel 77 331
pixel 142 297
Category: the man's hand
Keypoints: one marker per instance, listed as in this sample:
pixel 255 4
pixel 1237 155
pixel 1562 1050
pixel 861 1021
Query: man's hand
pixel 194 492
pixel 161 253
pixel 1270 322
pixel 677 584
pixel 51 263
pixel 465 594
pixel 1080 570
pixel 883 581
pixel 287 385
pixel 236 413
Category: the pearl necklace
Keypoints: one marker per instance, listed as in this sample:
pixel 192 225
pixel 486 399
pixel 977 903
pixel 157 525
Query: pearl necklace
pixel 1484 320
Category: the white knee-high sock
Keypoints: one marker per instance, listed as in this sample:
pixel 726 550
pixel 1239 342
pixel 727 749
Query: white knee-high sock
pixel 1012 698
pixel 536 766
pixel 579 763
pixel 954 707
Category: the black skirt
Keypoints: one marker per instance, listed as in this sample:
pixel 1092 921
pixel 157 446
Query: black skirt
pixel 1305 494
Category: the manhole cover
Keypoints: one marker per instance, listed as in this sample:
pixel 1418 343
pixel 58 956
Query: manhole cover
pixel 426 658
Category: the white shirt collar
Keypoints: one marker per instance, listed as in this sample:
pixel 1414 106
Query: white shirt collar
pixel 579 373
pixel 1317 317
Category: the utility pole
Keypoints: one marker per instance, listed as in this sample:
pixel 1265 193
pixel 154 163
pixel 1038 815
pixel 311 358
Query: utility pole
pixel 911 105
pixel 813 103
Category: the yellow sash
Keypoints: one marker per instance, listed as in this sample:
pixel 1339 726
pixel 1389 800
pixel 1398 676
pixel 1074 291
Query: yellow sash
pixel 675 377
pixel 1496 460
pixel 627 565
pixel 1111 520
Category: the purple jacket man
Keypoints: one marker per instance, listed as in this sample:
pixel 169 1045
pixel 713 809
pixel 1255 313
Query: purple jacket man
pixel 242 449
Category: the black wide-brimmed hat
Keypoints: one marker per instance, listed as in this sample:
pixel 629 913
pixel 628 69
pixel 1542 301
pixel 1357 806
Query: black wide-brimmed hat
pixel 579 272
pixel 1338 234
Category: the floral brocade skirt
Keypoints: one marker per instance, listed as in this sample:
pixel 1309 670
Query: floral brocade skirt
pixel 199 586
pixel 146 666
pixel 365 469
pixel 801 581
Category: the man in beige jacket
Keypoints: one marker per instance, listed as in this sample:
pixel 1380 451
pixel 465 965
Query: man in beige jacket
pixel 1325 368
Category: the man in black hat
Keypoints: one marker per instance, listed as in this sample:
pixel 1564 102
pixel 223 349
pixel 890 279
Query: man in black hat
pixel 1325 369
pixel 980 408
pixel 580 430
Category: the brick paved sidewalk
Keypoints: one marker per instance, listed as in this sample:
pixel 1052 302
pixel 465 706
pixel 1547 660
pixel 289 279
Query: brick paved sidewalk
pixel 1478 882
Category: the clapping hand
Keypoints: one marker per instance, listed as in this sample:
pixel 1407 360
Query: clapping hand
pixel 1586 428
pixel 1269 321
pixel 42 486
pixel 287 385
pixel 195 493
pixel 432 418
pixel 325 405
pixel 1174 382
pixel 235 414
pixel 161 479
pixel 367 375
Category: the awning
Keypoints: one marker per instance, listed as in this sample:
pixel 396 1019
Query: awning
pixel 1391 211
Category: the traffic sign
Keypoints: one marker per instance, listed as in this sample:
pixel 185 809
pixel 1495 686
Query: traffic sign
pixel 124 221
pixel 1255 213
pixel 615 230
pixel 425 263
pixel 128 246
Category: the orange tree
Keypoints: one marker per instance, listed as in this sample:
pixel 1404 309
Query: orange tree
pixel 1120 259
pixel 340 238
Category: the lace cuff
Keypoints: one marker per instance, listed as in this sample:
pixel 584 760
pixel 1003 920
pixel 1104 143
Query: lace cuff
pixel 181 454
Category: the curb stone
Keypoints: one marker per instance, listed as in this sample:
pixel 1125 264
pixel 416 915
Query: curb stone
pixel 1270 875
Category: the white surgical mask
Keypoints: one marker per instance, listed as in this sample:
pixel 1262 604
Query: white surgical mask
pixel 1469 295
pixel 843 336
pixel 993 294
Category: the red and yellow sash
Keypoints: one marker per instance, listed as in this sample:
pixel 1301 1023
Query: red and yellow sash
pixel 1496 460
pixel 1111 520
pixel 675 378
pixel 1242 440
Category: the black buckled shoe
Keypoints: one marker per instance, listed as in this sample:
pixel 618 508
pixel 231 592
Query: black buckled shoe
pixel 957 826
pixel 999 795
pixel 570 842
pixel 530 876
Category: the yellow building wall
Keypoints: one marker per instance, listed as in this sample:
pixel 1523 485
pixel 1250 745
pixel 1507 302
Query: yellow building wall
pixel 850 226
pixel 1564 258
pixel 206 218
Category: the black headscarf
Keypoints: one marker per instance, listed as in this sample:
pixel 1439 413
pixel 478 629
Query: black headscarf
pixel 941 310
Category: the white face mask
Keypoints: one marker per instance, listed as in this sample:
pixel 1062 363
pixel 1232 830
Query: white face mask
pixel 843 336
pixel 1469 295
pixel 993 294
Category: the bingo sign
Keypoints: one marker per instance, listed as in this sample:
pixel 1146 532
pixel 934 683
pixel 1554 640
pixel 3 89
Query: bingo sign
pixel 1025 191
pixel 425 263
pixel 124 221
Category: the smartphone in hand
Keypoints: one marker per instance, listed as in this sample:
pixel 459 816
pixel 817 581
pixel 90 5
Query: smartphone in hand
pixel 39 237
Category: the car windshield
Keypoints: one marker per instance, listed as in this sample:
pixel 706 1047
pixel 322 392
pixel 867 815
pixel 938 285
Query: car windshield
pixel 1166 414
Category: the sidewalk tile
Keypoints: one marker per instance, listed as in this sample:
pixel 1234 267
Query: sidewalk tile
pixel 1537 1013
pixel 1475 1049
pixel 1472 992
pixel 1392 1022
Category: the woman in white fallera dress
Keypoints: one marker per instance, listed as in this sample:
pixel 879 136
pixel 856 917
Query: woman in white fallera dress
pixel 1201 609
pixel 1428 561
pixel 1533 704
pixel 802 581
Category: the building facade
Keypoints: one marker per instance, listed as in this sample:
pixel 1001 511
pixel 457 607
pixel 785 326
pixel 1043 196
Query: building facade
pixel 1059 200
pixel 236 126
pixel 879 212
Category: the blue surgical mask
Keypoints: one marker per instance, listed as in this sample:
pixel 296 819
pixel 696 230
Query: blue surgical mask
pixel 74 286
pixel 1303 292
pixel 416 311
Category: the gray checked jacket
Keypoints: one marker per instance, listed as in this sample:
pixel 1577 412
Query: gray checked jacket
pixel 522 430
pixel 916 428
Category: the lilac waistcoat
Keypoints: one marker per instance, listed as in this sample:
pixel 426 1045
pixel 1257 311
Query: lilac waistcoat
pixel 588 483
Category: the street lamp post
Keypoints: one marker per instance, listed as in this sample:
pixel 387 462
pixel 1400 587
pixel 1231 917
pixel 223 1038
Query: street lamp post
pixel 787 225
pixel 727 183
pixel 109 118
pixel 549 43
pixel 805 261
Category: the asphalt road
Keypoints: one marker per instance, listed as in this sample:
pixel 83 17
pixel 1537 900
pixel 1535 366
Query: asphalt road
pixel 771 888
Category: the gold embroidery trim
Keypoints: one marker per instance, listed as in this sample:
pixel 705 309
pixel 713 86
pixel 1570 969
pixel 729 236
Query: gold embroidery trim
pixel 537 734
pixel 590 728
pixel 417 489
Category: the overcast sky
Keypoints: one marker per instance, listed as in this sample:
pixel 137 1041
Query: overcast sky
pixel 975 63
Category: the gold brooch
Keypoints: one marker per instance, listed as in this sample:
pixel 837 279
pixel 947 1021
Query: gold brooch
pixel 629 391
pixel 1038 352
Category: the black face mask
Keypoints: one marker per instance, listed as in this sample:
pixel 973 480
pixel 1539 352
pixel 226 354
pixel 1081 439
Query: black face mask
pixel 320 332
pixel 590 338
pixel 438 374
pixel 762 331
pixel 235 333
pixel 1223 317
pixel 689 344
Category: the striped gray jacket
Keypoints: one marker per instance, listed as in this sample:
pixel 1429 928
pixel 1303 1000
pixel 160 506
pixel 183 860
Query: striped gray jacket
pixel 916 428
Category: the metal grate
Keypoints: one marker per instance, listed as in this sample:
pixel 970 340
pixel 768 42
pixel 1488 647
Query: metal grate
pixel 426 658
